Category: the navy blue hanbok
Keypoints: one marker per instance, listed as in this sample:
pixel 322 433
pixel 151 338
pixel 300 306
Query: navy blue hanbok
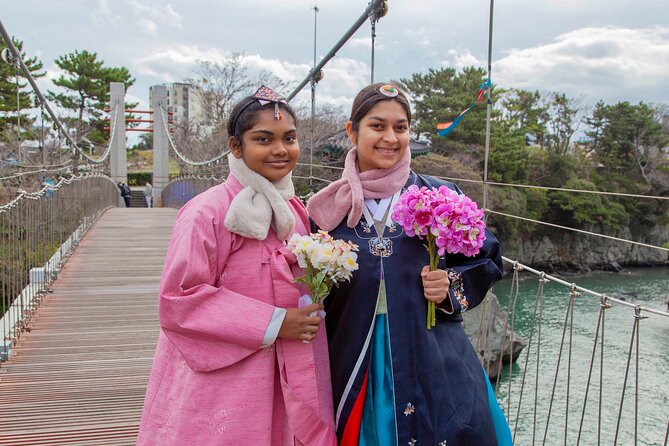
pixel 394 381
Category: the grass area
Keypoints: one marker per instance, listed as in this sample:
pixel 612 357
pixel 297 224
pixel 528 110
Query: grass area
pixel 142 161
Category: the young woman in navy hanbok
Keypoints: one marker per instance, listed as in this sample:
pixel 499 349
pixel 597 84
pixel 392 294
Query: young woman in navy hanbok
pixel 394 381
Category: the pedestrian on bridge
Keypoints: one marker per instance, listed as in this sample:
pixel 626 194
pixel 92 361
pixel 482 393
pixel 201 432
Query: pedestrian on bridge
pixel 126 193
pixel 148 194
pixel 237 362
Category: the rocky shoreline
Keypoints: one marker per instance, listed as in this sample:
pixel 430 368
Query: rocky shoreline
pixel 580 253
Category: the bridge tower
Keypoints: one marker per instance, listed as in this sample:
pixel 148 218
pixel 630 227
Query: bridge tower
pixel 160 141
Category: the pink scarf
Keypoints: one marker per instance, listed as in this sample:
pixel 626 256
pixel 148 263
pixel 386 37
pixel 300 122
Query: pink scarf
pixel 347 195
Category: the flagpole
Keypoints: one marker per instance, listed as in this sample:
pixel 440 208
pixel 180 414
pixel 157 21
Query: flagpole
pixel 488 112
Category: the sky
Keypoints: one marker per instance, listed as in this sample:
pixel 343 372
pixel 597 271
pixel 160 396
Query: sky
pixel 595 50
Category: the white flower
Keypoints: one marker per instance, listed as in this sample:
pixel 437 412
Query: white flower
pixel 301 260
pixel 348 261
pixel 318 253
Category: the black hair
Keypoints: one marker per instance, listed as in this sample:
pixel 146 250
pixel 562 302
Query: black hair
pixel 244 115
pixel 369 96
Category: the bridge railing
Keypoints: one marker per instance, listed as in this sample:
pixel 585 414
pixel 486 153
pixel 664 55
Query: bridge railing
pixel 587 372
pixel 38 231
pixel 181 189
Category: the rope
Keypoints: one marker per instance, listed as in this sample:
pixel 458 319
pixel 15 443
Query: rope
pixel 539 298
pixel 567 228
pixel 635 328
pixel 637 317
pixel 563 189
pixel 559 360
pixel 179 154
pixel 482 338
pixel 40 97
pixel 603 306
pixel 36 195
pixel 582 191
pixel 112 132
pixel 575 294
pixel 585 290
pixel 603 301
pixel 34 172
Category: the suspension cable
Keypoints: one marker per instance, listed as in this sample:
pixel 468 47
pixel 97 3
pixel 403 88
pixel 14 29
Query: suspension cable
pixel 558 189
pixel 582 231
pixel 587 291
pixel 33 172
pixel 28 75
pixel 112 134
pixel 179 154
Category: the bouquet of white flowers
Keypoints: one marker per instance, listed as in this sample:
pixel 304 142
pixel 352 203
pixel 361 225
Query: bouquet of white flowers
pixel 325 261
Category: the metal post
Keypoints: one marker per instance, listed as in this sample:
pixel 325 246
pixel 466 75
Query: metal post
pixel 488 113
pixel 118 159
pixel 372 6
pixel 313 108
pixel 373 20
pixel 160 142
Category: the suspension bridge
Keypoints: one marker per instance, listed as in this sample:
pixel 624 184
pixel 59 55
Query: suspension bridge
pixel 80 275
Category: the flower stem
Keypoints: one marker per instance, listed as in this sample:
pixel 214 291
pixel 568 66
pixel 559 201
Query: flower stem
pixel 434 261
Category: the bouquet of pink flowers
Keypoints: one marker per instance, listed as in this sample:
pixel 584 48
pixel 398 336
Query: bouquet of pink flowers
pixel 450 222
pixel 325 261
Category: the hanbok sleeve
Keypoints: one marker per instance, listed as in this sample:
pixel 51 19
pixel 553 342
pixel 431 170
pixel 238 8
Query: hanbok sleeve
pixel 211 326
pixel 471 277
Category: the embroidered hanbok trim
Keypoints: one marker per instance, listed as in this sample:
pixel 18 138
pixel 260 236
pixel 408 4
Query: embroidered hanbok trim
pixel 458 289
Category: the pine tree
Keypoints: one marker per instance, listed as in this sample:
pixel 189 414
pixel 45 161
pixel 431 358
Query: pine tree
pixel 85 89
pixel 11 76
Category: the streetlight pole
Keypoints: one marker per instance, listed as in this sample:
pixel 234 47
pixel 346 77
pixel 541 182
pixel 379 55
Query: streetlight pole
pixel 313 106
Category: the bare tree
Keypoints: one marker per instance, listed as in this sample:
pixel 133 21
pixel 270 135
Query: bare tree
pixel 220 85
pixel 217 86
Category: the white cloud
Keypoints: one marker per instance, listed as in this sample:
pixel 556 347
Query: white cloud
pixel 174 63
pixel 360 42
pixel 157 12
pixel 102 13
pixel 460 59
pixel 147 27
pixel 422 36
pixel 342 78
pixel 285 71
pixel 608 63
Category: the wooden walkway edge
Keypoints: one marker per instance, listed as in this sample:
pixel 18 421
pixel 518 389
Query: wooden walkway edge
pixel 79 376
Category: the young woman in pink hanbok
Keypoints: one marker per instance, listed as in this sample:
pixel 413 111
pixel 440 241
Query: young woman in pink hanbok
pixel 237 362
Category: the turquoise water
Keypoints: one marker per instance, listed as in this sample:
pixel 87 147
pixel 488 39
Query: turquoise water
pixel 648 287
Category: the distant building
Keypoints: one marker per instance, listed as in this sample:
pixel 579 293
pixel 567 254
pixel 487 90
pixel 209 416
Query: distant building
pixel 185 104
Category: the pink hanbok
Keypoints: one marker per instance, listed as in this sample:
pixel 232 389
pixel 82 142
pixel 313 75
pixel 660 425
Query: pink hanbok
pixel 212 383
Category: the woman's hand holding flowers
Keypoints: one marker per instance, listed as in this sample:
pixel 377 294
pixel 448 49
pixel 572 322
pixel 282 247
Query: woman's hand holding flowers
pixel 435 284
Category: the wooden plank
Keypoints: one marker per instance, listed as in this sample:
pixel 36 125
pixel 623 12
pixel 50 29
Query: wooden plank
pixel 78 377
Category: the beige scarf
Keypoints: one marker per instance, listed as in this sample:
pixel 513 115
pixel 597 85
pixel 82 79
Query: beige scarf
pixel 260 204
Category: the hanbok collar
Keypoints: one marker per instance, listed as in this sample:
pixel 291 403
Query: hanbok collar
pixel 374 211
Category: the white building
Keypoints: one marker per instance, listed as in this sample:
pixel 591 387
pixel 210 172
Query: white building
pixel 185 105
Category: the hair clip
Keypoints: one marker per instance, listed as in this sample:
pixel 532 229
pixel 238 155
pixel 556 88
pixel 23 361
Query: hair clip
pixel 389 90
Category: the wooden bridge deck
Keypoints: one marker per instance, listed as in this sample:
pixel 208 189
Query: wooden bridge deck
pixel 78 377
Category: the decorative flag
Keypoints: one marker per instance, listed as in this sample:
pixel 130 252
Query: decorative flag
pixel 444 128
